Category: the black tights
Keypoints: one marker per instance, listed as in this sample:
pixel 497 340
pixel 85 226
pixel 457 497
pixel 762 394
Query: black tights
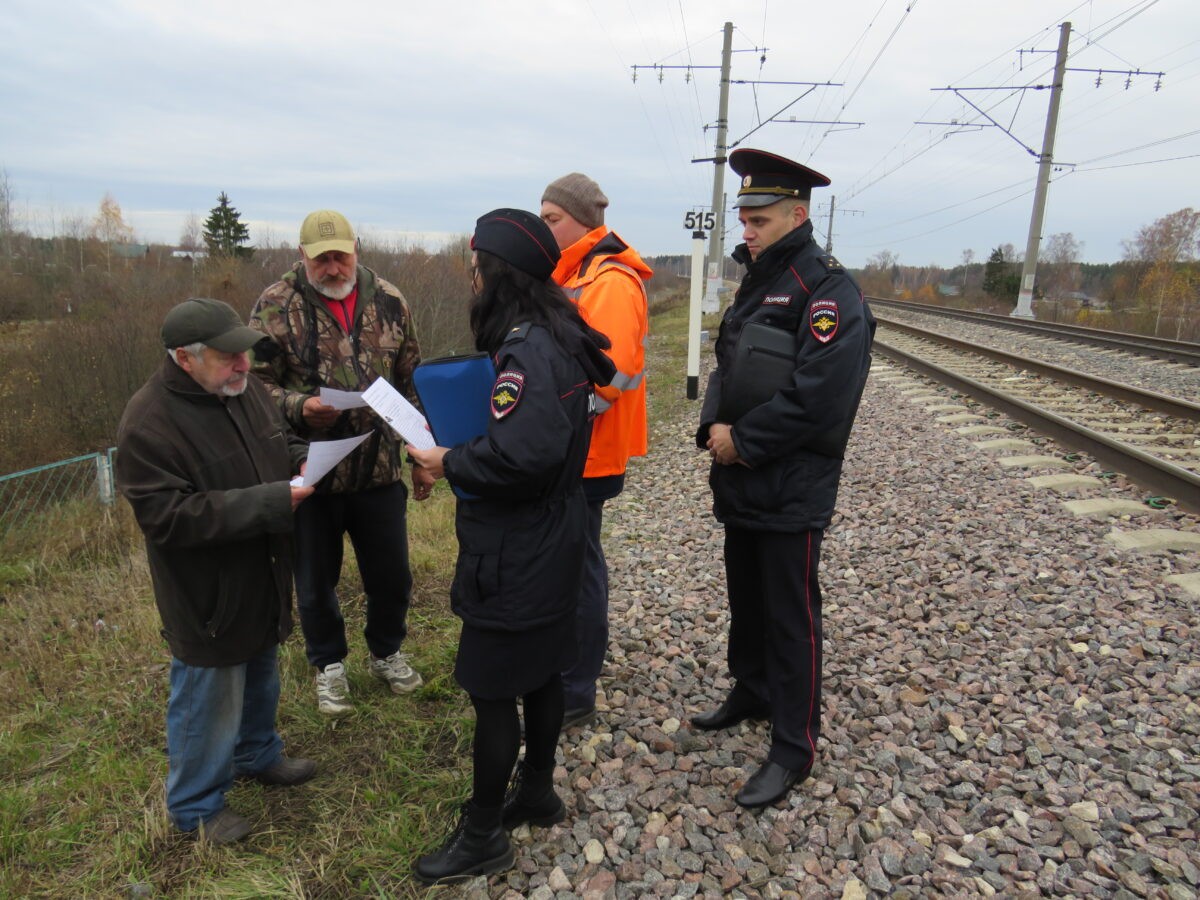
pixel 498 738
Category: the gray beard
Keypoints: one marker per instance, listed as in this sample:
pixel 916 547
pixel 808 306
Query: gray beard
pixel 336 293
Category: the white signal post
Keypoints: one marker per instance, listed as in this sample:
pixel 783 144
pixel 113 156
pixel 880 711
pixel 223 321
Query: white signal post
pixel 697 289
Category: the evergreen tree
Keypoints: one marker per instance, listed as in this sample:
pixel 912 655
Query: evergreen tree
pixel 1000 276
pixel 224 232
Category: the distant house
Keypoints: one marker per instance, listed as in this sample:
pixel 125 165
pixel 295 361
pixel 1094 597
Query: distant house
pixel 949 290
pixel 130 251
pixel 189 254
pixel 1087 301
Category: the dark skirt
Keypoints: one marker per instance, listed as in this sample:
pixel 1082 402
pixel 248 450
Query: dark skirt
pixel 496 665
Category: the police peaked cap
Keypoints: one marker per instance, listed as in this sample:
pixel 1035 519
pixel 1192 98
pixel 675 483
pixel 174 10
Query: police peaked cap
pixel 519 238
pixel 767 178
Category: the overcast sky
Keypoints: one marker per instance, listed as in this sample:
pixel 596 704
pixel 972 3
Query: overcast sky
pixel 415 118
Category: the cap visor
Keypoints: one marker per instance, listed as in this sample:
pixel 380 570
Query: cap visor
pixel 752 200
pixel 315 250
pixel 235 340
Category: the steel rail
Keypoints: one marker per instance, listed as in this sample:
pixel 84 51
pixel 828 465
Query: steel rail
pixel 1158 475
pixel 1171 406
pixel 1185 352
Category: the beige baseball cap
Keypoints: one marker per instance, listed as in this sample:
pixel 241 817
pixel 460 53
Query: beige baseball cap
pixel 326 230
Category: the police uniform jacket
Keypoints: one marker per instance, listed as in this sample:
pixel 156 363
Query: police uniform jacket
pixel 793 444
pixel 207 478
pixel 521 540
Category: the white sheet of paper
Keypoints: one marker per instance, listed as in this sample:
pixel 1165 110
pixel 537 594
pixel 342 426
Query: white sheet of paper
pixel 341 399
pixel 394 409
pixel 324 455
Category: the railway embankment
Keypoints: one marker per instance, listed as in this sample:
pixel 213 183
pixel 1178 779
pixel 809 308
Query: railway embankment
pixel 1010 695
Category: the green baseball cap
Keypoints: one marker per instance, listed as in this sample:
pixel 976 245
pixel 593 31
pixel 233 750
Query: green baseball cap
pixel 326 230
pixel 213 323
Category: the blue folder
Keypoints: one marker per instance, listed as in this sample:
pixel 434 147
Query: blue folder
pixel 455 393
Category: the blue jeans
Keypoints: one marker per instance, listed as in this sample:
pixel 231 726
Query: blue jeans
pixel 375 520
pixel 591 618
pixel 220 722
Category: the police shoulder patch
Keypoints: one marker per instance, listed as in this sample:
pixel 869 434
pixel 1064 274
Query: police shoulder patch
pixel 823 319
pixel 506 392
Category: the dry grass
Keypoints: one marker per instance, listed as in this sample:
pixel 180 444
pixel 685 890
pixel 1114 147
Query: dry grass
pixel 82 762
pixel 83 682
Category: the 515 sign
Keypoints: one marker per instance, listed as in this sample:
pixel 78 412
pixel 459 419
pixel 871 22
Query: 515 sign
pixel 699 221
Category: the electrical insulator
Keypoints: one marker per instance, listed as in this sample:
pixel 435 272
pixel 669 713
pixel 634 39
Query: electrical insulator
pixel 687 77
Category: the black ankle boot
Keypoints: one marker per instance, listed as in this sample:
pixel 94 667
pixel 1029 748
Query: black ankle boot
pixel 478 846
pixel 532 799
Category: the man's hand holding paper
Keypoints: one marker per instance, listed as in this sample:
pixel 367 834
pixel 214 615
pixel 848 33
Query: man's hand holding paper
pixel 404 418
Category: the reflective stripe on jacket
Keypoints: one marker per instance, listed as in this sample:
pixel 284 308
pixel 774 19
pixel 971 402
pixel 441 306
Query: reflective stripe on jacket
pixel 606 278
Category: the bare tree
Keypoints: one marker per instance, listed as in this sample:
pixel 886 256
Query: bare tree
pixel 109 227
pixel 191 237
pixel 1169 284
pixel 1058 275
pixel 6 216
pixel 880 273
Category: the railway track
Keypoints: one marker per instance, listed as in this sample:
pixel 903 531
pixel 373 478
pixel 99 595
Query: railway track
pixel 1182 352
pixel 1150 437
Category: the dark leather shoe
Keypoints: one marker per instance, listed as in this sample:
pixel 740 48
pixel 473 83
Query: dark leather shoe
pixel 770 783
pixel 287 771
pixel 580 716
pixel 730 713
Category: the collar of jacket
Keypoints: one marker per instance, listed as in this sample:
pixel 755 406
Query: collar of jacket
pixel 778 254
pixel 180 382
pixel 572 259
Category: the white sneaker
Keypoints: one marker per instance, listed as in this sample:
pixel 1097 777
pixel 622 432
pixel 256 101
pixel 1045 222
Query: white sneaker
pixel 333 691
pixel 396 671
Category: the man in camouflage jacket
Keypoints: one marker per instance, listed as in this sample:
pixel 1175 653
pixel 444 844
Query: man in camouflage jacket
pixel 335 323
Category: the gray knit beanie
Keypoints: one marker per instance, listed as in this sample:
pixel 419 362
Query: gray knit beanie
pixel 580 197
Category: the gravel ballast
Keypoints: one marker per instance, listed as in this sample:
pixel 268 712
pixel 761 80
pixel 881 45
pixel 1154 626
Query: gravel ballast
pixel 1010 702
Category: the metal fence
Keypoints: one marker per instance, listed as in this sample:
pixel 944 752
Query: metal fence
pixel 30 493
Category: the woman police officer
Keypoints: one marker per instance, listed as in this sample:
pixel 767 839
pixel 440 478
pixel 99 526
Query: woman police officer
pixel 521 536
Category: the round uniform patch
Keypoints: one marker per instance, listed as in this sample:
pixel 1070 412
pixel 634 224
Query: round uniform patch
pixel 823 320
pixel 506 392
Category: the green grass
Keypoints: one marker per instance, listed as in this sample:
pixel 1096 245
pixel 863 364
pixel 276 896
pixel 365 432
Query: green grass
pixel 82 759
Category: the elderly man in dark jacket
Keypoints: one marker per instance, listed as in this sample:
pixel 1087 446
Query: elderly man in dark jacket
pixel 792 358
pixel 205 461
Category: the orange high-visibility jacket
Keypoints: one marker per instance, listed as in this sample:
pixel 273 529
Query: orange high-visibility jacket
pixel 606 277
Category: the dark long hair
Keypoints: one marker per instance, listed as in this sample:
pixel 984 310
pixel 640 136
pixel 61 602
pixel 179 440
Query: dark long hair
pixel 510 297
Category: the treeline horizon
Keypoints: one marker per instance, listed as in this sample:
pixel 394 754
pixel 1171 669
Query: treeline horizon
pixel 80 313
pixel 79 324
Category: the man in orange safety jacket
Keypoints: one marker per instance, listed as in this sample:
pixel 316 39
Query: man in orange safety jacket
pixel 606 277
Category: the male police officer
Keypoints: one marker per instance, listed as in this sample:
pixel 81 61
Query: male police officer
pixel 776 463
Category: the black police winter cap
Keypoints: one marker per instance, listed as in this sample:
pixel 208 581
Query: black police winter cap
pixel 213 323
pixel 767 178
pixel 519 238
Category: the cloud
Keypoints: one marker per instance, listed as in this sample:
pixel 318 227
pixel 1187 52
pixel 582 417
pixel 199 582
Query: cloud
pixel 417 117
